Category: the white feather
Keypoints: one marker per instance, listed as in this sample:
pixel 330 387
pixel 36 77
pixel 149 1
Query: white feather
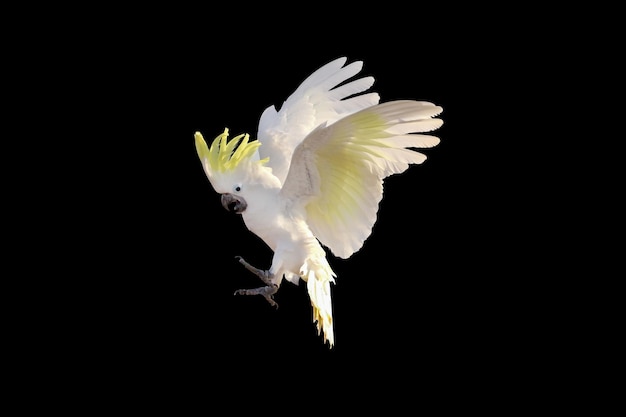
pixel 337 172
pixel 314 102
pixel 330 147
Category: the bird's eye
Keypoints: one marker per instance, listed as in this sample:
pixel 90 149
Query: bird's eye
pixel 237 188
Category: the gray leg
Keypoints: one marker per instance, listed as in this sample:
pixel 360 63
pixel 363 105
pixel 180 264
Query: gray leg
pixel 270 288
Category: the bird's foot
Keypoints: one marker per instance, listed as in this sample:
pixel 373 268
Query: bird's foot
pixel 266 276
pixel 267 292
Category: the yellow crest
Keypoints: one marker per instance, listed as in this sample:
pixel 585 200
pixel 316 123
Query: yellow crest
pixel 225 155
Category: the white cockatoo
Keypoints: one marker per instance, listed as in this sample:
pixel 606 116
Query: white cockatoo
pixel 314 176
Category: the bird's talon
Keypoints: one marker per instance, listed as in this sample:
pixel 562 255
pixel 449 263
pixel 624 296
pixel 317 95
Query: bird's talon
pixel 271 301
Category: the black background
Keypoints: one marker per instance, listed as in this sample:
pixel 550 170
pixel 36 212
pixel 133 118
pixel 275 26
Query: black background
pixel 439 295
pixel 423 292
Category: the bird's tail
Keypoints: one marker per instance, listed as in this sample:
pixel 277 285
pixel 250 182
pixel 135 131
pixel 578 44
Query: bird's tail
pixel 318 275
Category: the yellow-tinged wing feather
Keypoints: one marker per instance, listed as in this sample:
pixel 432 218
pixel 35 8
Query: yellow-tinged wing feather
pixel 325 96
pixel 337 171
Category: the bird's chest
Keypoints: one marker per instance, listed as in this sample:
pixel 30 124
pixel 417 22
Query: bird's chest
pixel 278 226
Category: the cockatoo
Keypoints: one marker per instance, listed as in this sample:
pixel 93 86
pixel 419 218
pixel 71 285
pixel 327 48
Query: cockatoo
pixel 313 178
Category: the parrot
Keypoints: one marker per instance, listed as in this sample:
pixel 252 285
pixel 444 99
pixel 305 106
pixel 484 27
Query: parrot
pixel 311 183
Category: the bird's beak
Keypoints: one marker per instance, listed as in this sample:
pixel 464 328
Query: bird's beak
pixel 234 203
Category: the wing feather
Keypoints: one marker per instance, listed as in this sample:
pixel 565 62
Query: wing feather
pixel 323 97
pixel 353 87
pixel 337 171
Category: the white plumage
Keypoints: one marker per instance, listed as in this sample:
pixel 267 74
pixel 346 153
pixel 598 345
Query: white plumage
pixel 314 102
pixel 317 175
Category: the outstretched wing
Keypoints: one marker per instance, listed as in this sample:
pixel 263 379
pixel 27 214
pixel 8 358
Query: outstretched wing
pixel 337 172
pixel 315 101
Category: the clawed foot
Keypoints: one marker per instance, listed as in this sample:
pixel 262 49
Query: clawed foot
pixel 265 276
pixel 270 288
pixel 266 292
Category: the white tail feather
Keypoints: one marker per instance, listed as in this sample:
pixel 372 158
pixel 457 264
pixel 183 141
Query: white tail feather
pixel 318 276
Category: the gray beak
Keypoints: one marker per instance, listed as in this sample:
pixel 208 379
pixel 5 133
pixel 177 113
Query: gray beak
pixel 234 203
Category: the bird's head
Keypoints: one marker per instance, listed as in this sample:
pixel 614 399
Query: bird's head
pixel 231 167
